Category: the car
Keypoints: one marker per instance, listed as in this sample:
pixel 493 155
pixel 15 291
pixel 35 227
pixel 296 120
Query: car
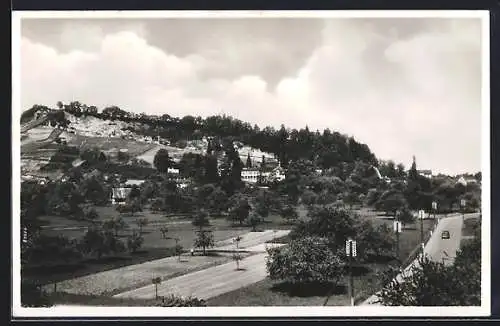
pixel 445 235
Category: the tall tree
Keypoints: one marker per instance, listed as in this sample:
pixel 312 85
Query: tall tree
pixel 162 161
pixel 249 161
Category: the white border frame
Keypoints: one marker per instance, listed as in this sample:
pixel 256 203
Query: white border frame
pixel 360 311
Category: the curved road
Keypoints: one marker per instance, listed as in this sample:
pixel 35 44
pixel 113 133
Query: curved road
pixel 437 249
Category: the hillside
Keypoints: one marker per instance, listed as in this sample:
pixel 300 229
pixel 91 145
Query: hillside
pixel 142 136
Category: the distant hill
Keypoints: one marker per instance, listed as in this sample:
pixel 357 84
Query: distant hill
pixel 325 149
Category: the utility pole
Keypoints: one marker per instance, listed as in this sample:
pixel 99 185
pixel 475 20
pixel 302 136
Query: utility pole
pixel 350 247
pixel 462 205
pixel 434 208
pixel 397 230
pixel 421 214
pixel 156 281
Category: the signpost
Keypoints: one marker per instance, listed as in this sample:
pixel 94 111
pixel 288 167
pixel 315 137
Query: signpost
pixel 350 250
pixel 462 205
pixel 156 281
pixel 421 214
pixel 237 256
pixel 397 230
pixel 434 208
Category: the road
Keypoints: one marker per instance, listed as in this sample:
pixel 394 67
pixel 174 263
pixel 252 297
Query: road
pixel 444 250
pixel 216 280
pixel 437 249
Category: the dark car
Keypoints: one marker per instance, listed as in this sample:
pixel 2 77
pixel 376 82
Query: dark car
pixel 445 235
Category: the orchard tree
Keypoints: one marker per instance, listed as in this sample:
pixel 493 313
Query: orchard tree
pixel 329 221
pixel 254 219
pixel 204 239
pixel 374 241
pixel 134 241
pixel 305 260
pixel 200 219
pixel 141 222
pixel 240 209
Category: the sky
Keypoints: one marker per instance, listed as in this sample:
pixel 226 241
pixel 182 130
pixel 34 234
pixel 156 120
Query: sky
pixel 403 86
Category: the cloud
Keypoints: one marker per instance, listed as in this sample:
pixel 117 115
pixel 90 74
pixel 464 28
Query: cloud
pixel 401 88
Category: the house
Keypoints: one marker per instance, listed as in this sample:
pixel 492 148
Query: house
pixel 425 173
pixel 466 180
pixel 278 174
pixel 119 195
pixel 173 171
pixel 133 182
pixel 250 175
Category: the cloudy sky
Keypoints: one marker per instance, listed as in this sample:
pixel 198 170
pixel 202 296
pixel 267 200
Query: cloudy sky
pixel 405 87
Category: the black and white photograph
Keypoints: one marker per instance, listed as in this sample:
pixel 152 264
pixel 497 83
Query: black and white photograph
pixel 326 163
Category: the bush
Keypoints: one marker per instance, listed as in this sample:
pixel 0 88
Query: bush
pixel 175 301
pixel 33 296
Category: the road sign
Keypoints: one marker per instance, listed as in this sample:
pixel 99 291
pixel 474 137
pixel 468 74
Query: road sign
pixel 462 203
pixel 156 280
pixel 421 214
pixel 397 226
pixel 350 248
pixel 434 205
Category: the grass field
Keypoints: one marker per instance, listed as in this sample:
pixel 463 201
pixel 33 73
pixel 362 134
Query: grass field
pixel 268 293
pixel 154 246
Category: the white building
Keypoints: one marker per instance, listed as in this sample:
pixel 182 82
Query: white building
pixel 173 171
pixel 425 173
pixel 250 175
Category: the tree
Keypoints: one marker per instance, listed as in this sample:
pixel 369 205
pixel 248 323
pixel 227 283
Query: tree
pixel 94 243
pixel 309 198
pixel 306 260
pixel 240 209
pixel 178 248
pixel 289 214
pixel 164 232
pixel 329 221
pixel 391 201
pixel 374 241
pixel 200 219
pixel 350 198
pixel 249 161
pixel 134 241
pixel 162 161
pixel 114 224
pixel 406 216
pixel 254 219
pixel 91 214
pixel 204 239
pixel 141 222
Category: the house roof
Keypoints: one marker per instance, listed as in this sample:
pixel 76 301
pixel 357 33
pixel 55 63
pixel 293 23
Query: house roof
pixel 134 182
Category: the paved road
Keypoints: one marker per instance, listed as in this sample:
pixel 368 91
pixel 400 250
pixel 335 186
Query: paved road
pixel 209 282
pixel 436 248
pixel 444 250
